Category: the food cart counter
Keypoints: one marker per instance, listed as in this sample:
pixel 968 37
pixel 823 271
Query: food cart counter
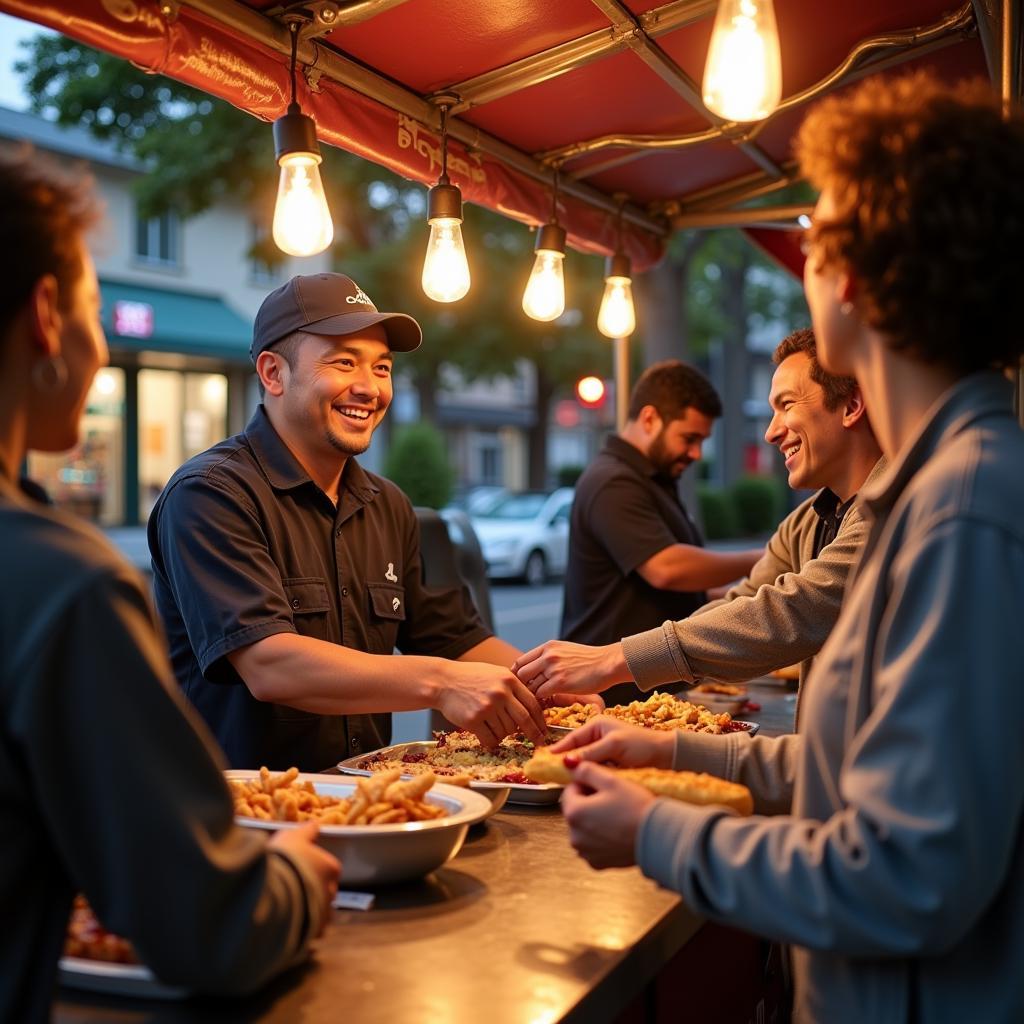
pixel 517 929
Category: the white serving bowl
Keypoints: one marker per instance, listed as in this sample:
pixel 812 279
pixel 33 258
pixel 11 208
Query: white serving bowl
pixel 380 854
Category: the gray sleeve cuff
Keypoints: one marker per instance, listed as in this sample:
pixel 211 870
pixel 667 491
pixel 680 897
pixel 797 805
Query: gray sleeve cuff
pixel 656 657
pixel 703 752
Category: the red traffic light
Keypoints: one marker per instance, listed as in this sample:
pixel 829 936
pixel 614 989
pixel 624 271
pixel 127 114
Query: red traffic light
pixel 590 392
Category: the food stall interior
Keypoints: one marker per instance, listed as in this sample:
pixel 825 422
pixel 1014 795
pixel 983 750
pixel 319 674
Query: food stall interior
pixel 604 97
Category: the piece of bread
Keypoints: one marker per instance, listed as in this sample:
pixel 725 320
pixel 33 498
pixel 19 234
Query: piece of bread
pixel 690 787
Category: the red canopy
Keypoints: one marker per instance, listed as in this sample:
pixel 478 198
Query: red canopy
pixel 607 90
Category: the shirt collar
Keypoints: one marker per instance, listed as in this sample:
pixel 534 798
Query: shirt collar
pixel 827 505
pixel 285 472
pixel 979 395
pixel 630 454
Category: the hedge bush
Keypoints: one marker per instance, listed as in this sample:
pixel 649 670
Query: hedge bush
pixel 418 463
pixel 717 512
pixel 568 475
pixel 759 502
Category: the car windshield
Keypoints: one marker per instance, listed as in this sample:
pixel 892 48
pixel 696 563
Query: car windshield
pixel 516 506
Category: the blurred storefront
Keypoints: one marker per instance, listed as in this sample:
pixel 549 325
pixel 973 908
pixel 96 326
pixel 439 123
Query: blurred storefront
pixel 177 383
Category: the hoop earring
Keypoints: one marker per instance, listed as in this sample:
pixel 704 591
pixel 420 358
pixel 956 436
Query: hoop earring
pixel 846 308
pixel 50 375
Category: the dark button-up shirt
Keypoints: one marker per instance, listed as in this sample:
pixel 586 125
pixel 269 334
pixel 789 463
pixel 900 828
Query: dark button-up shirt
pixel 246 545
pixel 830 512
pixel 623 514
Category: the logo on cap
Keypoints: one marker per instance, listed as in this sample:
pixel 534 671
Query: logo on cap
pixel 359 297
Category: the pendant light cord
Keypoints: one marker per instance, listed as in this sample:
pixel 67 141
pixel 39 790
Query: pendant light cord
pixel 444 180
pixel 554 195
pixel 294 26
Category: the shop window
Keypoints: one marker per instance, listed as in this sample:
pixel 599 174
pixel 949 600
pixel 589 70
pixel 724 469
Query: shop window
pixel 180 415
pixel 89 479
pixel 488 458
pixel 261 270
pixel 158 239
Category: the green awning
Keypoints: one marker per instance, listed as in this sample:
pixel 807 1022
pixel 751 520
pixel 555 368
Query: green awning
pixel 162 320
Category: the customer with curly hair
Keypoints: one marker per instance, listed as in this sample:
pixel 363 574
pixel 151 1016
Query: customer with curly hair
pixel 895 873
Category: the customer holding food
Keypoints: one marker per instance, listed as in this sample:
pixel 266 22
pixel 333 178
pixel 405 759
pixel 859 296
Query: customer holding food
pixel 286 574
pixel 895 873
pixel 785 609
pixel 108 782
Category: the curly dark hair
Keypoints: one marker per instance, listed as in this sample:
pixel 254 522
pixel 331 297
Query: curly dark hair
pixel 672 387
pixel 46 211
pixel 837 389
pixel 929 214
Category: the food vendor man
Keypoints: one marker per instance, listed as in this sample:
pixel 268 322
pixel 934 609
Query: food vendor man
pixel 286 574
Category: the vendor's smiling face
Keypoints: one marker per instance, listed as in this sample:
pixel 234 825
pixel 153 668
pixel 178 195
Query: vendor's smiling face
pixel 338 388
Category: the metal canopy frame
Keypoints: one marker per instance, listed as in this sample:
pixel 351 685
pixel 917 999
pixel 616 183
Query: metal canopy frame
pixel 524 71
pixel 636 33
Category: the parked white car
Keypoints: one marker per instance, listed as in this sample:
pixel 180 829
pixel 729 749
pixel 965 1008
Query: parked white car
pixel 526 535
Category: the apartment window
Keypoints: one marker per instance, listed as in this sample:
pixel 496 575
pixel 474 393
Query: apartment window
pixel 158 239
pixel 260 271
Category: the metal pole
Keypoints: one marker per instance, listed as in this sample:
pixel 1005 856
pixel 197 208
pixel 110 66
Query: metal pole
pixel 622 384
pixel 1010 87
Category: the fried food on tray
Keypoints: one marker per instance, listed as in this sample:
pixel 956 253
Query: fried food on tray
pixel 690 787
pixel 659 711
pixel 791 672
pixel 725 689
pixel 86 937
pixel 458 758
pixel 383 799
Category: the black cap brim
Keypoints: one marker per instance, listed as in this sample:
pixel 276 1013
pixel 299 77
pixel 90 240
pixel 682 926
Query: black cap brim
pixel 403 332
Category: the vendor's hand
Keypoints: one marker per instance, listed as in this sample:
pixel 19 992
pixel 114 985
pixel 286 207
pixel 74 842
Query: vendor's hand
pixel 609 741
pixel 604 813
pixel 491 702
pixel 300 844
pixel 566 668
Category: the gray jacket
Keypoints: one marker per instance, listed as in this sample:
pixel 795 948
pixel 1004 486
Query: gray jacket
pixel 779 615
pixel 896 874
pixel 110 785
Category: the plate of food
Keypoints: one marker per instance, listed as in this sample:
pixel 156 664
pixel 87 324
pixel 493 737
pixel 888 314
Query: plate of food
pixel 659 711
pixel 114 979
pixel 457 757
pixel 719 697
pixel 100 961
pixel 383 829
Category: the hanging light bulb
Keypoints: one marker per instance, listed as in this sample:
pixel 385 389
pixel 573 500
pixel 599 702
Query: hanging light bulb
pixel 445 269
pixel 617 317
pixel 743 74
pixel 302 219
pixel 544 298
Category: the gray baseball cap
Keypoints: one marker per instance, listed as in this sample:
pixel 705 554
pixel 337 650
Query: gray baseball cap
pixel 327 304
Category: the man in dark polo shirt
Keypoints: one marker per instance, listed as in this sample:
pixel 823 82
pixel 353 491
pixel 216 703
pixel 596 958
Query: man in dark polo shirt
pixel 286 574
pixel 636 558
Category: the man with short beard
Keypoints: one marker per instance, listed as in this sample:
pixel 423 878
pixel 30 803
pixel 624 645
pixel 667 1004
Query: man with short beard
pixel 636 558
pixel 286 574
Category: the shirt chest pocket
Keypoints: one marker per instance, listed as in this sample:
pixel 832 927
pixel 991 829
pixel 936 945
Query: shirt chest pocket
pixel 309 604
pixel 387 613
